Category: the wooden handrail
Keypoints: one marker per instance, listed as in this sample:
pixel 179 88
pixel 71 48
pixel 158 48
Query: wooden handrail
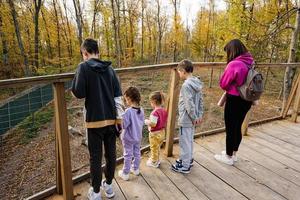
pixel 64 175
pixel 69 76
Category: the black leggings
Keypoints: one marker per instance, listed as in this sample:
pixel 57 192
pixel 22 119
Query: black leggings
pixel 236 109
pixel 97 137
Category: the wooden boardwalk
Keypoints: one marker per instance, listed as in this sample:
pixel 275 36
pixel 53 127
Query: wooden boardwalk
pixel 268 167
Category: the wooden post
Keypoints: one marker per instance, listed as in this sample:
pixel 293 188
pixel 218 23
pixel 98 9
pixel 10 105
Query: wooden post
pixel 59 188
pixel 296 103
pixel 291 97
pixel 62 135
pixel 246 123
pixel 172 107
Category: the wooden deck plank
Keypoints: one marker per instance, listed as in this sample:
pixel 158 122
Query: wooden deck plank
pixel 268 168
pixel 276 148
pixel 243 183
pixel 274 140
pixel 288 122
pixel 259 158
pixel 272 154
pixel 282 135
pixel 282 127
pixel 286 125
pixel 261 174
pixel 160 183
pixel 81 189
pixel 181 182
pixel 210 185
pixel 136 188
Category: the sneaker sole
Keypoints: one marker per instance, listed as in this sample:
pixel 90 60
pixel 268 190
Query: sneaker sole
pixel 110 196
pixel 155 166
pixel 221 161
pixel 183 172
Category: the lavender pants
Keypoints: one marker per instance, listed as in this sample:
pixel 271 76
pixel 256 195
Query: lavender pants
pixel 132 154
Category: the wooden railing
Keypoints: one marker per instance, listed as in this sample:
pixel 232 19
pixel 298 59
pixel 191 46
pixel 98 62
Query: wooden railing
pixel 64 183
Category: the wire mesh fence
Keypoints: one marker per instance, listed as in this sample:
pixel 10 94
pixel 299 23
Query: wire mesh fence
pixel 16 109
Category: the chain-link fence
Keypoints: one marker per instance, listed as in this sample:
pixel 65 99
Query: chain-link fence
pixel 15 109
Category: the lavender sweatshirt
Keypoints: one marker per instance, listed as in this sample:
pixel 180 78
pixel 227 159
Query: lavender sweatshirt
pixel 133 124
pixel 235 74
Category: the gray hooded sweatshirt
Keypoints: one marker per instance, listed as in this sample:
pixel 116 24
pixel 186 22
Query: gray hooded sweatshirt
pixel 190 105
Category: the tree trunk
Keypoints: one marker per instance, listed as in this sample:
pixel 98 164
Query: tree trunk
pixel 58 33
pixel 131 44
pixel 143 31
pixel 93 29
pixel 70 46
pixel 50 54
pixel 116 34
pixel 290 71
pixel 64 28
pixel 150 46
pixel 118 5
pixel 250 22
pixel 107 38
pixel 19 38
pixel 3 39
pixel 175 3
pixel 76 4
pixel 37 7
pixel 159 37
pixel 125 25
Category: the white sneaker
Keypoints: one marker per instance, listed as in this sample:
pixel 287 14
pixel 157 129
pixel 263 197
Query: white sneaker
pixel 135 172
pixel 224 159
pixel 123 176
pixel 109 192
pixel 234 157
pixel 149 163
pixel 92 195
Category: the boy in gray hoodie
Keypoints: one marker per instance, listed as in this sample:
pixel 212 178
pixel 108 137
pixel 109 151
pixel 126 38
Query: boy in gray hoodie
pixel 190 109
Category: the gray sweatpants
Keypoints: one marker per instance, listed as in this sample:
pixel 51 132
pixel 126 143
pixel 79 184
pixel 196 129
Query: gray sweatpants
pixel 186 139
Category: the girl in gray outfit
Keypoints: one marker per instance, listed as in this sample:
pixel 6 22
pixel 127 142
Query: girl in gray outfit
pixel 190 109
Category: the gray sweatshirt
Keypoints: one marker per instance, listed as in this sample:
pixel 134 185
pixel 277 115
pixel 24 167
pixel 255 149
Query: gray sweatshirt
pixel 190 105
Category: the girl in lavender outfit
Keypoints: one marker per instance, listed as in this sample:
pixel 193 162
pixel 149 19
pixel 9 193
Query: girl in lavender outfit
pixel 133 121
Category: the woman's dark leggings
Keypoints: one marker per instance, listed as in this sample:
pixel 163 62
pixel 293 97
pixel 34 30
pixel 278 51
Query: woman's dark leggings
pixel 236 109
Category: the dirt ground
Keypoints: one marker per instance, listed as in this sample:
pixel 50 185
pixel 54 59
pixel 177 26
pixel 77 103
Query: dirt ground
pixel 27 168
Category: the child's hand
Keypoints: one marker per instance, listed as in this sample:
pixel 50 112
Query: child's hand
pixel 147 122
pixel 119 129
pixel 198 121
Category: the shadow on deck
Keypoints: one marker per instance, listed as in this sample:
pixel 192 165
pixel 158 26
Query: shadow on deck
pixel 268 167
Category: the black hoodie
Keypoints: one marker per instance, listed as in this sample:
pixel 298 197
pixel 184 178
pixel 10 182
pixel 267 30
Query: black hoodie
pixel 96 81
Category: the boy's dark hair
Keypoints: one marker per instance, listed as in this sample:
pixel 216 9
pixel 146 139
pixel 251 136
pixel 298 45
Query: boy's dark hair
pixel 90 45
pixel 157 97
pixel 134 95
pixel 186 65
pixel 234 48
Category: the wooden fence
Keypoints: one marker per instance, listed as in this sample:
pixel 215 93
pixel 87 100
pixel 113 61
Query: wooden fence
pixel 64 182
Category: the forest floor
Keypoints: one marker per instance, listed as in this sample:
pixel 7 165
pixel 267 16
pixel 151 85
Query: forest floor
pixel 27 162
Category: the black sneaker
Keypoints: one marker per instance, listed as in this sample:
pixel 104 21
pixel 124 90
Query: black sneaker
pixel 178 167
pixel 179 161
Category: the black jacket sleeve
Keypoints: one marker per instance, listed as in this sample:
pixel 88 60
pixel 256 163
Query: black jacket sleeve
pixel 79 83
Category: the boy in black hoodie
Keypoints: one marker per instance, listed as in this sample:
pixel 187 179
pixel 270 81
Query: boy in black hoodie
pixel 96 81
